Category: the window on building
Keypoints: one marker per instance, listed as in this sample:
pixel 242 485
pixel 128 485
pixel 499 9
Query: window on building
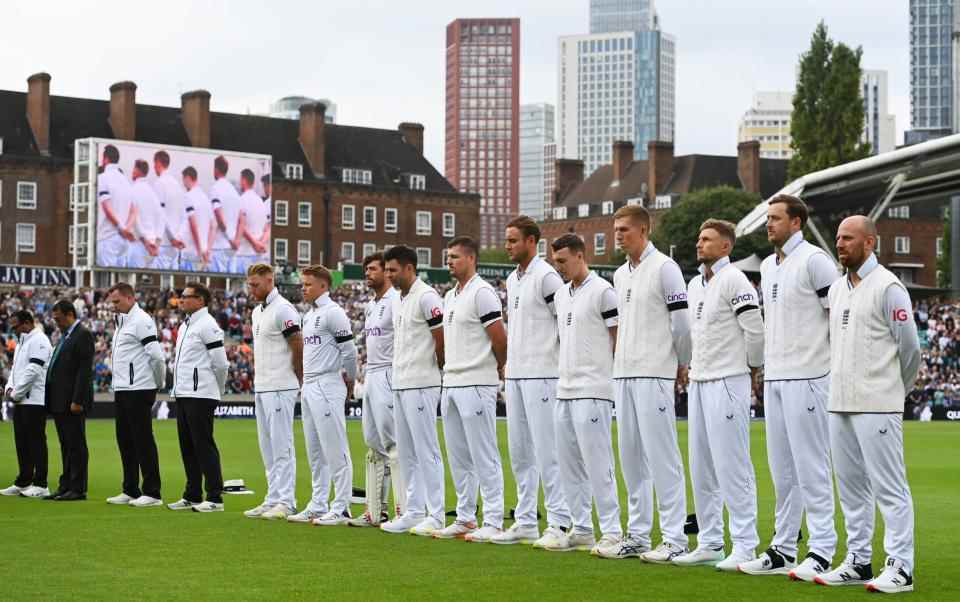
pixel 449 224
pixel 348 217
pixel 901 245
pixel 418 182
pixel 559 213
pixel 876 249
pixel 281 211
pixel 369 249
pixel 663 201
pixel 583 210
pixel 347 252
pixel 370 219
pixel 390 220
pixel 279 249
pixel 79 195
pixel 939 247
pixel 607 208
pixel 357 176
pixel 901 212
pixel 26 195
pixel 423 257
pixel 303 252
pixel 599 243
pixel 26 238
pixel 424 223
pixel 304 215
pixel 293 171
pixel 542 247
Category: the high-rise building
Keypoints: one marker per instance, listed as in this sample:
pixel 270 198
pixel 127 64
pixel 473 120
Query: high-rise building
pixel 481 154
pixel 879 126
pixel 536 131
pixel 608 16
pixel 931 70
pixel 615 86
pixel 288 107
pixel 549 175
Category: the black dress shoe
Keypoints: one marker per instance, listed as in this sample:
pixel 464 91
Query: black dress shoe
pixel 70 496
pixel 55 494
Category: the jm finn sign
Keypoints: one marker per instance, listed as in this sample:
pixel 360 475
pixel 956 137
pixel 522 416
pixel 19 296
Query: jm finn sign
pixel 32 276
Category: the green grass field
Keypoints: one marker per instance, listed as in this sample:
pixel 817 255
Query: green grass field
pixel 95 551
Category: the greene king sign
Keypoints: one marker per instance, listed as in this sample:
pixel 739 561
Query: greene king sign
pixel 31 276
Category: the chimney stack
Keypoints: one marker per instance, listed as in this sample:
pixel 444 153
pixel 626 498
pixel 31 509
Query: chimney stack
pixel 312 136
pixel 659 166
pixel 123 110
pixel 195 115
pixel 748 165
pixel 622 158
pixel 412 134
pixel 38 110
pixel 569 176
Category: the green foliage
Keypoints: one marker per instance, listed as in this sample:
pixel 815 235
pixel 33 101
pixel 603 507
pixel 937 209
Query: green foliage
pixel 494 255
pixel 944 265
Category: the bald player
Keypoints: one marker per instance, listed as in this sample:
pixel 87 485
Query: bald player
pixel 874 360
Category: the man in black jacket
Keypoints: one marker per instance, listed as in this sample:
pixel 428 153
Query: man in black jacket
pixel 69 396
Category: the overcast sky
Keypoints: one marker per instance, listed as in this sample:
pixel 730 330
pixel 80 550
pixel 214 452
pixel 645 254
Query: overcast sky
pixel 383 62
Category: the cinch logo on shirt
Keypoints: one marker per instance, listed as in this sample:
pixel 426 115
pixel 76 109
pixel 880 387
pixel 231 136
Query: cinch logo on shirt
pixel 676 297
pixel 312 340
pixel 744 298
pixel 376 331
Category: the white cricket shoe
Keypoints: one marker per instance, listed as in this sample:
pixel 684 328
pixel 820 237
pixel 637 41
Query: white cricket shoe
pixel 427 527
pixel 304 516
pixel 332 519
pixel 35 491
pixel 551 536
pixel 401 524
pixel 257 512
pixel 484 534
pixel 573 542
pixel 365 520
pixel 455 530
pixel 616 548
pixel 771 562
pixel 279 512
pixel 181 504
pixel 145 501
pixel 848 573
pixel 120 500
pixel 811 566
pixel 663 554
pixel 517 533
pixel 700 555
pixel 732 562
pixel 893 580
pixel 208 507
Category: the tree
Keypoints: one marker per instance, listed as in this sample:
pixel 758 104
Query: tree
pixel 680 226
pixel 494 255
pixel 827 120
pixel 944 263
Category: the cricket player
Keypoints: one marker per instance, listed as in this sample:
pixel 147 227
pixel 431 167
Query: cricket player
pixel 587 320
pixel 727 340
pixel 278 360
pixel 531 388
pixel 253 228
pixel 226 211
pixel 267 182
pixel 201 227
pixel 874 360
pixel 26 389
pixel 379 432
pixel 795 280
pixel 418 338
pixel 475 353
pixel 329 371
pixel 149 221
pixel 171 194
pixel 114 212
pixel 653 352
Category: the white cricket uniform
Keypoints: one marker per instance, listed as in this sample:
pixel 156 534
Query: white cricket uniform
pixel 113 187
pixel 585 403
pixel 727 340
pixel 531 391
pixel 224 196
pixel 277 388
pixel 328 348
pixel 653 339
pixel 149 225
pixel 875 357
pixel 28 374
pixel 198 210
pixel 257 215
pixel 379 431
pixel 796 388
pixel 468 403
pixel 171 194
pixel 416 385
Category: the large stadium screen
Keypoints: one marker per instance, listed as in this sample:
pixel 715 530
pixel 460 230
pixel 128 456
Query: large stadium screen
pixel 181 210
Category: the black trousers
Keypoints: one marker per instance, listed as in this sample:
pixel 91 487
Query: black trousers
pixel 30 436
pixel 201 458
pixel 138 448
pixel 72 432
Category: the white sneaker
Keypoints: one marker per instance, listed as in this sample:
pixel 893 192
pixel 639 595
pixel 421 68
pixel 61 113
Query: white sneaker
pixel 12 490
pixel 208 507
pixel 732 562
pixel 771 562
pixel 120 500
pixel 332 519
pixel 455 530
pixel 181 504
pixel 401 524
pixel 278 512
pixel 34 491
pixel 572 542
pixel 551 536
pixel 663 554
pixel 484 534
pixel 427 527
pixel 365 520
pixel 848 573
pixel 893 580
pixel 304 516
pixel 145 501
pixel 811 566
pixel 517 533
pixel 701 555
pixel 617 548
pixel 256 512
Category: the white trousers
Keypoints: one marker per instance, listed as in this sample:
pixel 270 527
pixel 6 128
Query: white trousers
pixel 798 451
pixel 112 252
pixel 139 257
pixel 222 260
pixel 415 415
pixel 650 457
pixel 721 471
pixel 868 460
pixel 325 435
pixel 378 406
pixel 470 432
pixel 585 454
pixel 531 438
pixel 169 258
pixel 274 411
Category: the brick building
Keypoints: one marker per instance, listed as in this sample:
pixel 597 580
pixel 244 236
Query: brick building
pixel 339 191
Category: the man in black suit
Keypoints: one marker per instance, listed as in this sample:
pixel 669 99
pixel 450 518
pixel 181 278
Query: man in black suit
pixel 69 396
